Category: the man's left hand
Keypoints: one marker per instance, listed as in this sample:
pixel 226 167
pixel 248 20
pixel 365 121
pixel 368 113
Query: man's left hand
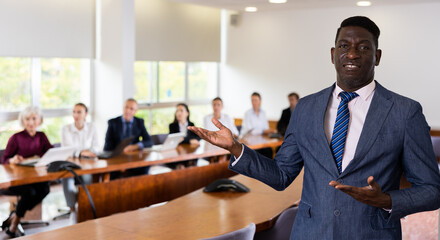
pixel 131 148
pixel 371 194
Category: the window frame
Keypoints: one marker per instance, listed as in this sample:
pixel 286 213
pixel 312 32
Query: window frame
pixel 156 104
pixel 35 78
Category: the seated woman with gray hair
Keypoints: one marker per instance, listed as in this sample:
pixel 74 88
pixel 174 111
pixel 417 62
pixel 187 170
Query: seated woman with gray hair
pixel 22 145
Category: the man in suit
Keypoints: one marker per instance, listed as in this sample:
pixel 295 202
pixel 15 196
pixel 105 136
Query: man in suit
pixel 285 116
pixel 126 126
pixel 385 136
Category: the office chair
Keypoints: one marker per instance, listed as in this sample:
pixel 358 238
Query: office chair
pixel 246 233
pixel 282 228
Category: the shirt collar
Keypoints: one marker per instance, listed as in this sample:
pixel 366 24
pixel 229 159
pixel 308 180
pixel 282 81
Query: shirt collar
pixel 364 93
pixel 183 125
pixel 74 129
pixel 123 120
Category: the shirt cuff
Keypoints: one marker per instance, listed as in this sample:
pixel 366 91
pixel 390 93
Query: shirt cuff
pixel 237 159
pixel 141 145
pixel 387 210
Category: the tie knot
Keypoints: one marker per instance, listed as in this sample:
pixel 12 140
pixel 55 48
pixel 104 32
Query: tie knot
pixel 348 96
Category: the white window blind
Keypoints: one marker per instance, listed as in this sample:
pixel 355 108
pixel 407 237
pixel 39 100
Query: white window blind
pixel 47 28
pixel 171 31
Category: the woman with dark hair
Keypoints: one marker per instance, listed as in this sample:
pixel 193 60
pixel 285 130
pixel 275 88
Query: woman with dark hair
pixel 181 122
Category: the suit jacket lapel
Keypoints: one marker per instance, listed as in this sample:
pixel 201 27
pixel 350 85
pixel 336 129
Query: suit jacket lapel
pixel 324 148
pixel 379 109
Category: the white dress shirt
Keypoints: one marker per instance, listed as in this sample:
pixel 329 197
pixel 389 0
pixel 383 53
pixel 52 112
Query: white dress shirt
pixel 255 123
pixel 358 108
pixel 224 119
pixel 183 128
pixel 84 139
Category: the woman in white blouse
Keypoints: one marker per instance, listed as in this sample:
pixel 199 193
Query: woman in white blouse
pixel 84 137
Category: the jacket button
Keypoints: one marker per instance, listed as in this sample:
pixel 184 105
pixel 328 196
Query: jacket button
pixel 337 213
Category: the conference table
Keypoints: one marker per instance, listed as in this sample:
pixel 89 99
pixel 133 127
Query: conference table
pixel 14 175
pixel 192 216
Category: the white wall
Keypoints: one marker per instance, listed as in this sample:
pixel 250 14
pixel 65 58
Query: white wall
pixel 277 52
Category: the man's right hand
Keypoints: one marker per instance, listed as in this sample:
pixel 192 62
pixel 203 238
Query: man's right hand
pixel 222 138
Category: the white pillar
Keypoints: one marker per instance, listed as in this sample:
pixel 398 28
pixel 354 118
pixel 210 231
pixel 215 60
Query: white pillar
pixel 115 57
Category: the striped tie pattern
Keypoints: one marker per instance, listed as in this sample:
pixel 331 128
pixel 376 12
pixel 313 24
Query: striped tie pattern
pixel 341 126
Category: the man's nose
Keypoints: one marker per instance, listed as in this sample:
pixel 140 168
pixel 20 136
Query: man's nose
pixel 353 53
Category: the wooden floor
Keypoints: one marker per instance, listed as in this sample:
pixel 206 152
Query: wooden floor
pixel 420 226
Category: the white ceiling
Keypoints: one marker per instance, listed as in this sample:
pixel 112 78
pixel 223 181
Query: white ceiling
pixel 264 5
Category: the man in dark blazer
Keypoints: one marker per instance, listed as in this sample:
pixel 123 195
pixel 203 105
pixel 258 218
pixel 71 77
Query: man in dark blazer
pixel 362 199
pixel 125 126
pixel 285 115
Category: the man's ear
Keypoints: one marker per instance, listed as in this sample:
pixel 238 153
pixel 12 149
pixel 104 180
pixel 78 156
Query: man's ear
pixel 378 56
pixel 332 53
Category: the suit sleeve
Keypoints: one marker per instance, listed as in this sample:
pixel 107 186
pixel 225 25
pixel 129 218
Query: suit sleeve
pixel 110 143
pixel 146 139
pixel 282 123
pixel 278 173
pixel 420 168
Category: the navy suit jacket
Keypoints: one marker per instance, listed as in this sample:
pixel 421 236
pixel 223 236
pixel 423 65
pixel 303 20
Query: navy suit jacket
pixel 284 121
pixel 394 140
pixel 114 133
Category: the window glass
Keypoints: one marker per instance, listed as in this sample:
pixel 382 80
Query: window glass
pixel 198 112
pixel 52 127
pixel 7 129
pixel 15 83
pixel 202 80
pixel 64 82
pixel 145 75
pixel 171 81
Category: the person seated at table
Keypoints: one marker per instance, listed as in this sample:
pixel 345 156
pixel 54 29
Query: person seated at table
pixel 126 126
pixel 83 136
pixel 180 124
pixel 217 107
pixel 255 121
pixel 22 145
pixel 285 116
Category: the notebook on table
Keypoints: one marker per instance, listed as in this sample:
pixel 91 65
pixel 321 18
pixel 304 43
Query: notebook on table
pixel 52 155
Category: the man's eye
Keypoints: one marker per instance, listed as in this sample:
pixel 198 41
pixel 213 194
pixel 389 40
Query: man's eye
pixel 364 47
pixel 343 46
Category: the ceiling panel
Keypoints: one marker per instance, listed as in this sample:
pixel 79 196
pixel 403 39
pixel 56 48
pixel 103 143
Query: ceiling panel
pixel 264 5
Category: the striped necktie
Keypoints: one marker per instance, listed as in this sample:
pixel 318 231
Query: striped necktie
pixel 341 126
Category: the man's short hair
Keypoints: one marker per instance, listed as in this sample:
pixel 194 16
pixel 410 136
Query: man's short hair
pixel 293 94
pixel 256 95
pixel 217 99
pixel 131 100
pixel 363 22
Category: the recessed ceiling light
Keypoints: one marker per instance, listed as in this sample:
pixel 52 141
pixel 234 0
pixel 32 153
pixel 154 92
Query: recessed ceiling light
pixel 251 9
pixel 277 1
pixel 363 3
